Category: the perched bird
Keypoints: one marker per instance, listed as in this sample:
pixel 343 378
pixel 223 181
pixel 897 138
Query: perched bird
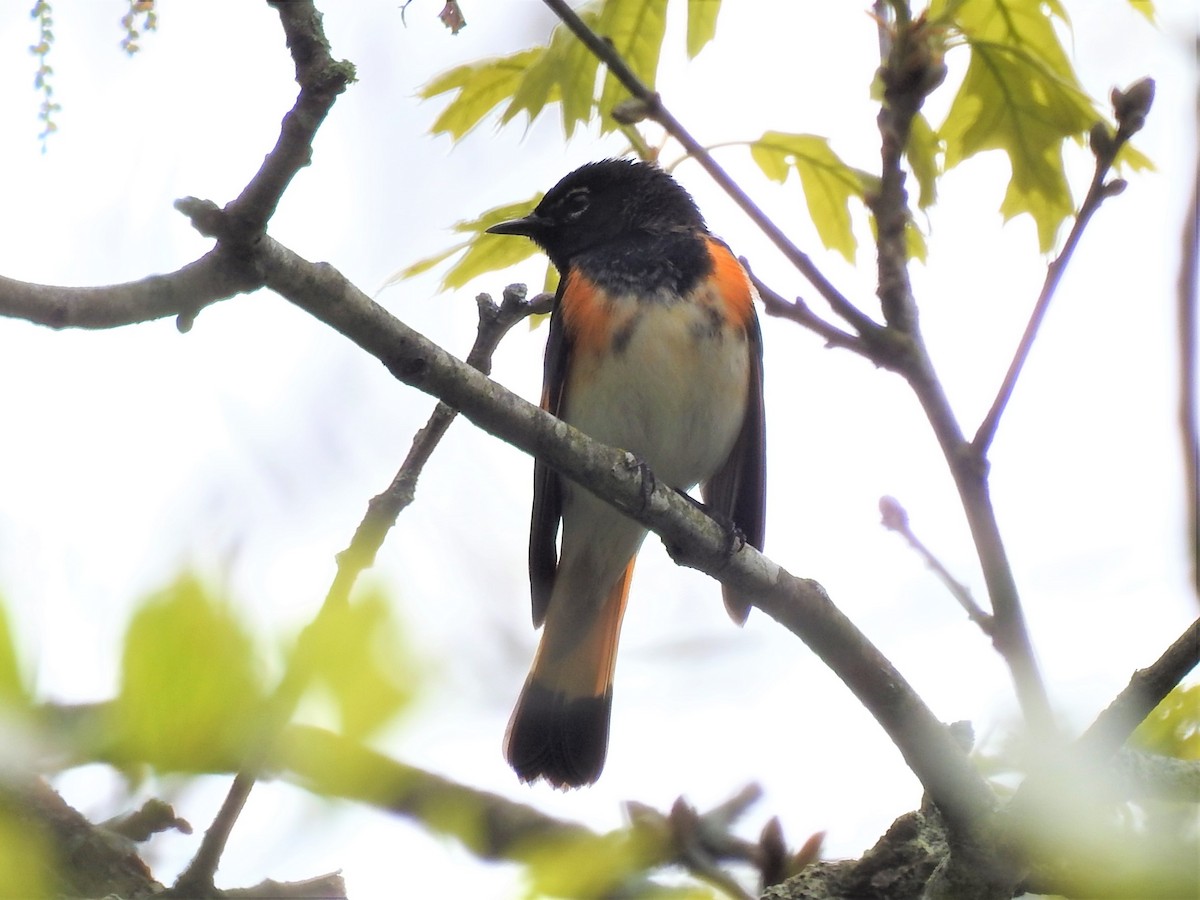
pixel 654 348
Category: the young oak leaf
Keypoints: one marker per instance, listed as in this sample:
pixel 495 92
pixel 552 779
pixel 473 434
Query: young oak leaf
pixel 922 154
pixel 636 29
pixel 484 252
pixel 481 88
pixel 827 181
pixel 701 24
pixel 1020 96
pixel 564 71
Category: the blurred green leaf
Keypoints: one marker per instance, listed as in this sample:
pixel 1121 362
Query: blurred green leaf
pixel 636 29
pixel 356 652
pixel 25 860
pixel 914 242
pixel 828 183
pixel 1130 157
pixel 481 88
pixel 1145 7
pixel 1021 96
pixel 12 689
pixel 922 153
pixel 590 866
pixel 1173 728
pixel 484 252
pixel 191 696
pixel 701 24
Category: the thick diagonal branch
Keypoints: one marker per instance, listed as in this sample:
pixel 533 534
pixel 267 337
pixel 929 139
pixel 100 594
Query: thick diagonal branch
pixel 799 604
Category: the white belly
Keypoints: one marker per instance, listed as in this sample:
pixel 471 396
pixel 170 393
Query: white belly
pixel 673 392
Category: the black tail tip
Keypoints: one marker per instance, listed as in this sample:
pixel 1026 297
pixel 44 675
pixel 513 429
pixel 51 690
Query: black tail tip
pixel 563 740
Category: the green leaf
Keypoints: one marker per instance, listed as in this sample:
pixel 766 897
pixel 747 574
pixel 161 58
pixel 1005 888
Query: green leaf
pixel 191 696
pixel 1145 7
pixel 12 689
pixel 636 29
pixel 1129 157
pixel 828 182
pixel 914 242
pixel 424 265
pixel 1173 728
pixel 593 866
pixel 356 652
pixel 490 252
pixel 484 252
pixel 481 88
pixel 1021 96
pixel 565 71
pixel 922 153
pixel 26 859
pixel 701 24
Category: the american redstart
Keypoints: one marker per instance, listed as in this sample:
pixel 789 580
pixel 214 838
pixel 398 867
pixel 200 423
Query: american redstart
pixel 654 347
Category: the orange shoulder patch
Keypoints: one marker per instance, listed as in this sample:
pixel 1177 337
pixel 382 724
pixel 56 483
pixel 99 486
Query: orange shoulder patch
pixel 732 282
pixel 587 314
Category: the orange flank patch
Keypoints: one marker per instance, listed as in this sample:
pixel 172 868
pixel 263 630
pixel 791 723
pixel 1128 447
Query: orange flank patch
pixel 587 314
pixel 584 667
pixel 732 283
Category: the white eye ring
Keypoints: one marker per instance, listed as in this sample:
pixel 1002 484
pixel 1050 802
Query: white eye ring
pixel 576 204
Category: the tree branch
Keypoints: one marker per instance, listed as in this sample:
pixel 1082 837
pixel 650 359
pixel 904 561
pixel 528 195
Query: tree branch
pixel 909 72
pixel 1147 688
pixel 494 827
pixel 321 80
pixel 183 293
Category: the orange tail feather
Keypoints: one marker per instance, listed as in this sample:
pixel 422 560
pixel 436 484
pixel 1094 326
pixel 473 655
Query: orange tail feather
pixel 559 729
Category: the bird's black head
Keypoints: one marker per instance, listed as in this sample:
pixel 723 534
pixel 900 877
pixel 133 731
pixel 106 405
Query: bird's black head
pixel 604 202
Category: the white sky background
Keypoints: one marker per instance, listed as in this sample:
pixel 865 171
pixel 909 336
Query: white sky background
pixel 250 446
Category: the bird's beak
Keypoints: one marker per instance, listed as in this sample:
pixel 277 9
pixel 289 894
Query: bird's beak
pixel 530 226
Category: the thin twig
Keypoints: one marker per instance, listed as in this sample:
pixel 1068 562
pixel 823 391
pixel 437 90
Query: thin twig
pixel 1105 146
pixel 656 110
pixel 1189 365
pixel 799 312
pixel 895 518
pixel 383 510
pixel 1146 690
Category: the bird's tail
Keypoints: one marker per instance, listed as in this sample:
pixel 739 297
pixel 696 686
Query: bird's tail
pixel 559 729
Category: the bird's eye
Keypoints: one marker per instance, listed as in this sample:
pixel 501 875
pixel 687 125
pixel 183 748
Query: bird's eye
pixel 575 204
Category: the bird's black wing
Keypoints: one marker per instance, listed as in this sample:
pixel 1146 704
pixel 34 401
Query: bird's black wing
pixel 547 484
pixel 739 488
